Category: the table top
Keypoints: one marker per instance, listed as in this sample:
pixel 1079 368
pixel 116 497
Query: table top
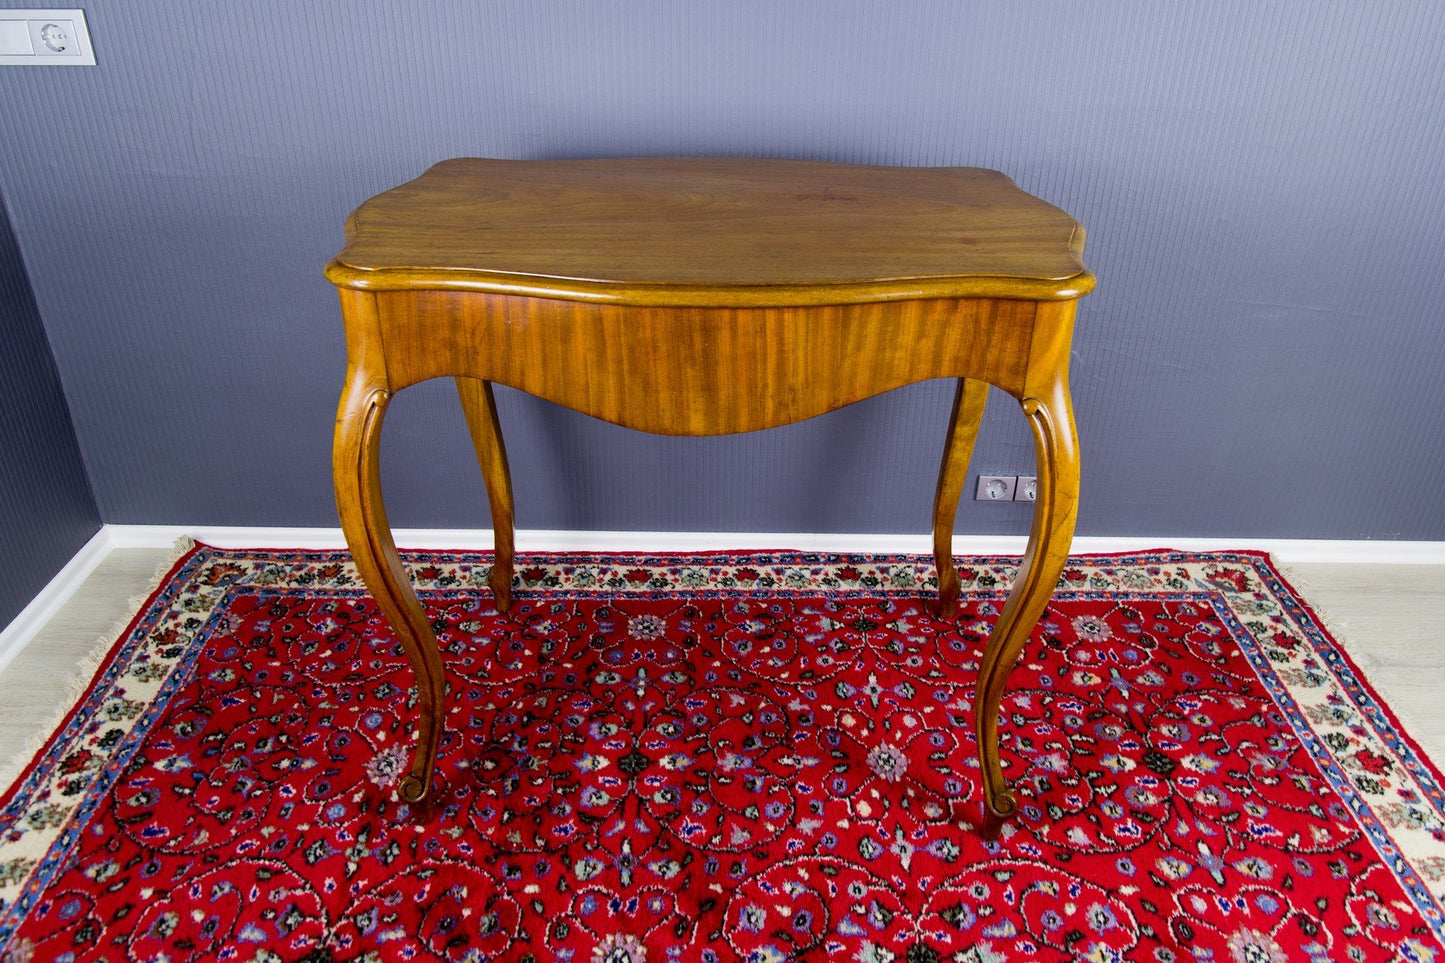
pixel 713 232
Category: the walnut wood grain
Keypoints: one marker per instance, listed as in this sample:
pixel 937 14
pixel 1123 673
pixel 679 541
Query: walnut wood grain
pixel 701 371
pixel 713 232
pixel 968 404
pixel 696 296
pixel 481 411
pixel 357 475
pixel 1046 403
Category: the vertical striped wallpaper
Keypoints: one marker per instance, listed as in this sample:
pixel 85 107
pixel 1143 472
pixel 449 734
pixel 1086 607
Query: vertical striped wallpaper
pixel 1261 184
pixel 46 511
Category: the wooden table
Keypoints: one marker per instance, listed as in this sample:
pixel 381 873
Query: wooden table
pixel 704 296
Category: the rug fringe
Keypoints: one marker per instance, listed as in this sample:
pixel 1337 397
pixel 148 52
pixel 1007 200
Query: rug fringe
pixel 81 677
pixel 1339 631
pixel 1300 584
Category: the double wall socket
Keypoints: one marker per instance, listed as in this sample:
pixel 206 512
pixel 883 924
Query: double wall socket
pixel 1006 488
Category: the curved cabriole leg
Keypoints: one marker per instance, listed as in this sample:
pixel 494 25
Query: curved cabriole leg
pixel 1055 509
pixel 355 468
pixel 481 411
pixel 968 403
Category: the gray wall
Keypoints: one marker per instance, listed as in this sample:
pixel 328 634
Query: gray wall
pixel 1261 184
pixel 46 512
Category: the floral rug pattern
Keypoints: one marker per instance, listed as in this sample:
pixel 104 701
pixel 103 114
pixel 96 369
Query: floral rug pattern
pixel 716 757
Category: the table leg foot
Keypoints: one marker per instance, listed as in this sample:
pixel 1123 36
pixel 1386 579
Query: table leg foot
pixel 996 811
pixel 421 801
pixel 1055 509
pixel 963 422
pixel 481 410
pixel 356 469
pixel 413 789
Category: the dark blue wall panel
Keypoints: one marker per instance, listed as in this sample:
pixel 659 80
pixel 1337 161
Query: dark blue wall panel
pixel 1261 183
pixel 46 512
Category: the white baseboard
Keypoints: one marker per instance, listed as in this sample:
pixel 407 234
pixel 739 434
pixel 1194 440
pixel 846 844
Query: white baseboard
pixel 56 593
pixel 1288 551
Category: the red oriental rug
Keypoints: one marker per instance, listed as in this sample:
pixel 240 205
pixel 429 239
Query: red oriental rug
pixel 755 757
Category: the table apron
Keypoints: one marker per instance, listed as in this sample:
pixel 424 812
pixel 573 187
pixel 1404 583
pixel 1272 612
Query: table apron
pixel 704 371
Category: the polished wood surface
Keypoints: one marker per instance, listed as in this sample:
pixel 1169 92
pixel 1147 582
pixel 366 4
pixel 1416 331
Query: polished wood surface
pixel 968 404
pixel 356 471
pixel 713 232
pixel 701 371
pixel 486 431
pixel 707 296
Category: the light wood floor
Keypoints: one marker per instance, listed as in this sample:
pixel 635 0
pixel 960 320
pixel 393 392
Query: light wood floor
pixel 1391 618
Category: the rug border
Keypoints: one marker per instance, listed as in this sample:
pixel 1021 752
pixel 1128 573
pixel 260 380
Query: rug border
pixel 92 670
pixel 1362 674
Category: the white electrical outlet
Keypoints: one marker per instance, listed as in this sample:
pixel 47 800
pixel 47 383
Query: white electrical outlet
pixel 995 488
pixel 56 38
pixel 1027 489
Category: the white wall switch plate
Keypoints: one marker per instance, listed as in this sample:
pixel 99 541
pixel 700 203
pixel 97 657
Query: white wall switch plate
pixel 56 38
